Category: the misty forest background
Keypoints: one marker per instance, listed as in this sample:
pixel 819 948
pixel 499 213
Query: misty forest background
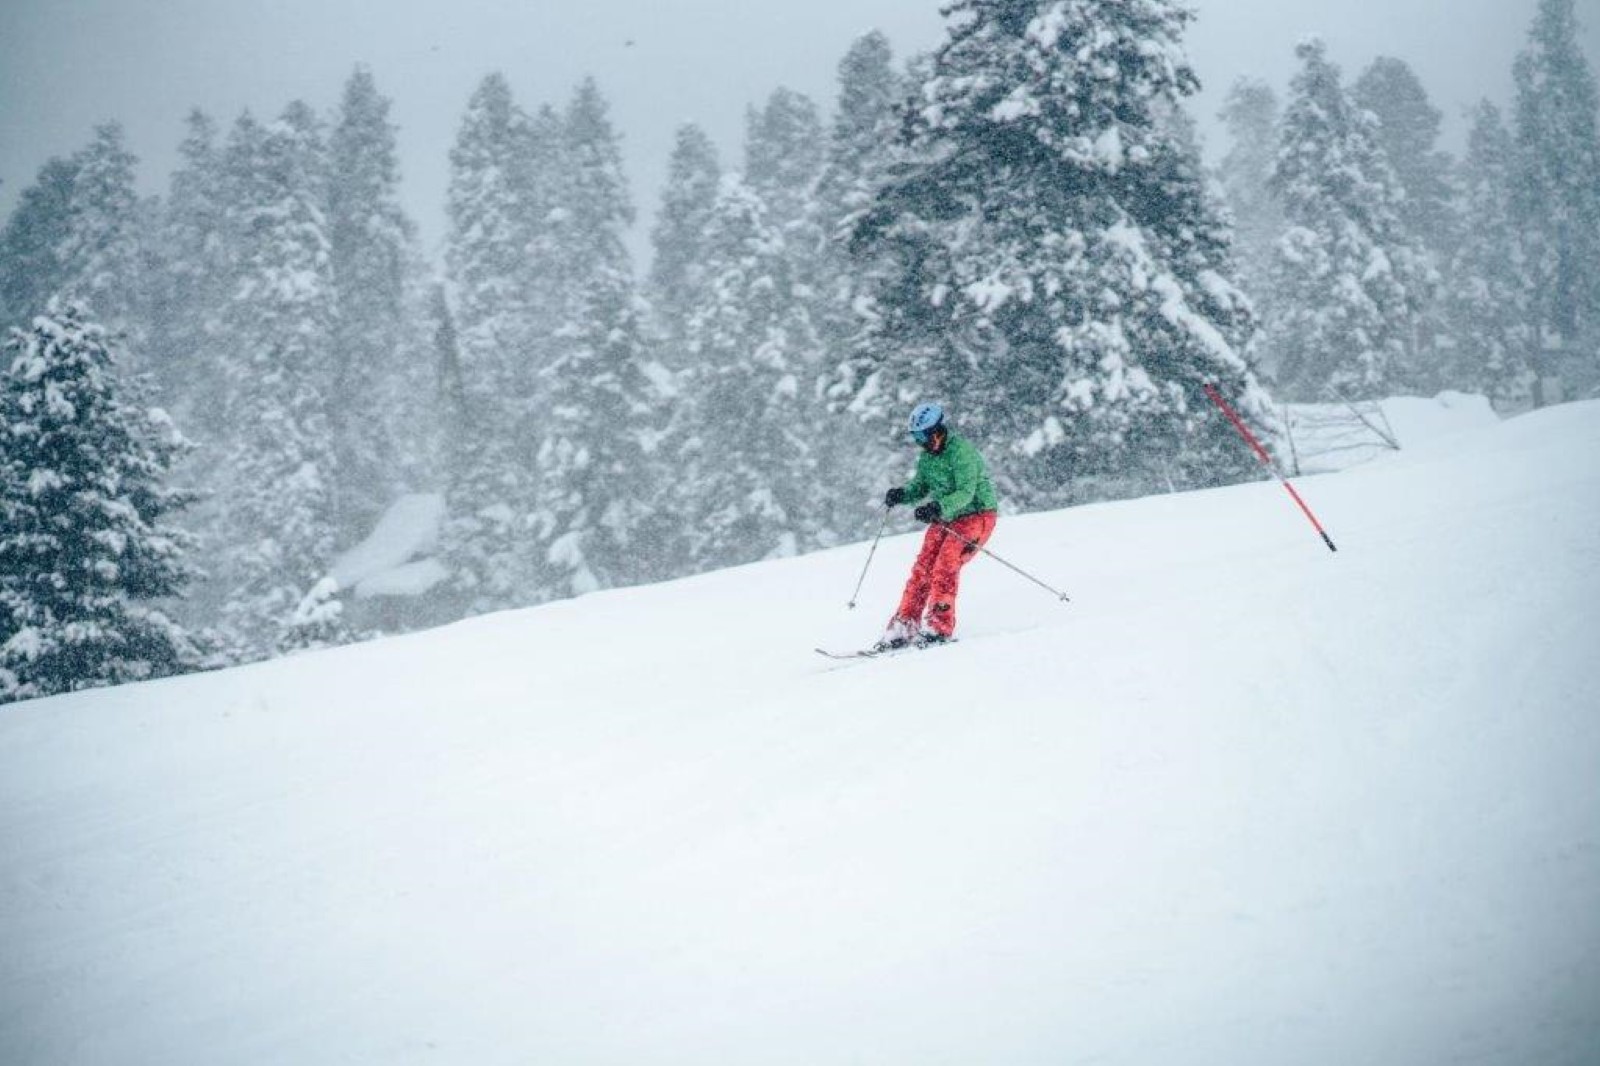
pixel 208 396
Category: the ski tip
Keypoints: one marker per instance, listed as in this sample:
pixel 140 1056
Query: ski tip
pixel 826 654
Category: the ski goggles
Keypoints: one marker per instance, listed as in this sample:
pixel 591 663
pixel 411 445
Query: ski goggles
pixel 923 436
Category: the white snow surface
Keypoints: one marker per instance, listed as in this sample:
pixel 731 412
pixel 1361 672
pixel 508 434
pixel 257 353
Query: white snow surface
pixel 1243 800
pixel 407 580
pixel 407 530
pixel 1429 420
pixel 1330 437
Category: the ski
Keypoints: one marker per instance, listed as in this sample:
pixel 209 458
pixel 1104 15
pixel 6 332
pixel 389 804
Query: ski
pixel 868 653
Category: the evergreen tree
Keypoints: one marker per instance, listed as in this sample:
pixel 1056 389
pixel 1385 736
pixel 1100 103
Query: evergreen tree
pixel 85 548
pixel 412 406
pixel 1348 284
pixel 1408 132
pixel 75 236
pixel 371 256
pixel 493 214
pixel 749 439
pixel 489 236
pixel 859 146
pixel 784 154
pixel 275 493
pixel 317 621
pixel 1558 179
pixel 31 268
pixel 678 240
pixel 861 149
pixel 449 384
pixel 547 198
pixel 678 284
pixel 197 278
pixel 1061 280
pixel 785 150
pixel 100 250
pixel 1489 295
pixel 598 412
pixel 1251 117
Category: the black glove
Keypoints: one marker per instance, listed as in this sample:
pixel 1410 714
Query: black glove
pixel 928 512
pixel 894 496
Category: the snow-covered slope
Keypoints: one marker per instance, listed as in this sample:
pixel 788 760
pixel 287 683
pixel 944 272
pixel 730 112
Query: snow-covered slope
pixel 1241 801
pixel 1319 438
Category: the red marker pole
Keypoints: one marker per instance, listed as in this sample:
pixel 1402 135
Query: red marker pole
pixel 1266 460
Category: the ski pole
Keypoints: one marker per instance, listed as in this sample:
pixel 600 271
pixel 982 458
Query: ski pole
pixel 1266 459
pixel 975 546
pixel 881 527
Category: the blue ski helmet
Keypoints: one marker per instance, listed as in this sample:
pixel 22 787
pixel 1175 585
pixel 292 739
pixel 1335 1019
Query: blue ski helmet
pixel 925 418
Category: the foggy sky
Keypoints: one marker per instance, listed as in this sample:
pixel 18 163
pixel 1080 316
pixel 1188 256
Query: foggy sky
pixel 66 65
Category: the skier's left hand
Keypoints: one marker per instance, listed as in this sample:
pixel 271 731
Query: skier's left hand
pixel 928 512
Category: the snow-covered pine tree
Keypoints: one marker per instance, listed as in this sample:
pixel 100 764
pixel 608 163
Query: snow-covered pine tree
pixel 784 152
pixel 1557 205
pixel 749 438
pixel 783 155
pixel 489 229
pixel 100 250
pixel 860 144
pixel 676 269
pixel 678 284
pixel 1408 131
pixel 412 404
pixel 318 621
pixel 274 489
pixel 1250 114
pixel 197 279
pixel 1060 282
pixel 75 236
pixel 495 219
pixel 547 178
pixel 861 147
pixel 1489 297
pixel 598 416
pixel 1201 247
pixel 31 271
pixel 449 384
pixel 86 551
pixel 372 255
pixel 1348 283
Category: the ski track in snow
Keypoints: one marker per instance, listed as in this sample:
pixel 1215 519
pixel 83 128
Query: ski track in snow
pixel 1241 800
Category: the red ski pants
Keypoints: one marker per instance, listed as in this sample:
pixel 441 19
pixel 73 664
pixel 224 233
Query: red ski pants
pixel 936 575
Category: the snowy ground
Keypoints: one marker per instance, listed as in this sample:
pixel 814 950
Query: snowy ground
pixel 1320 438
pixel 1241 801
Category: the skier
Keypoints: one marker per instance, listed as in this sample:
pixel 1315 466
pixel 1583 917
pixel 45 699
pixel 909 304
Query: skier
pixel 960 512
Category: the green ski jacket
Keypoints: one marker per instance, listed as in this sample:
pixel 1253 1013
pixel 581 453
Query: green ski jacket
pixel 956 477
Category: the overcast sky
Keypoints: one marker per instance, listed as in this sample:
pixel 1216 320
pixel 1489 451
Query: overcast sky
pixel 66 65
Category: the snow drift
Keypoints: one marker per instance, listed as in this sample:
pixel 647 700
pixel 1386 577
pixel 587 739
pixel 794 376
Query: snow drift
pixel 1242 800
pixel 1321 438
